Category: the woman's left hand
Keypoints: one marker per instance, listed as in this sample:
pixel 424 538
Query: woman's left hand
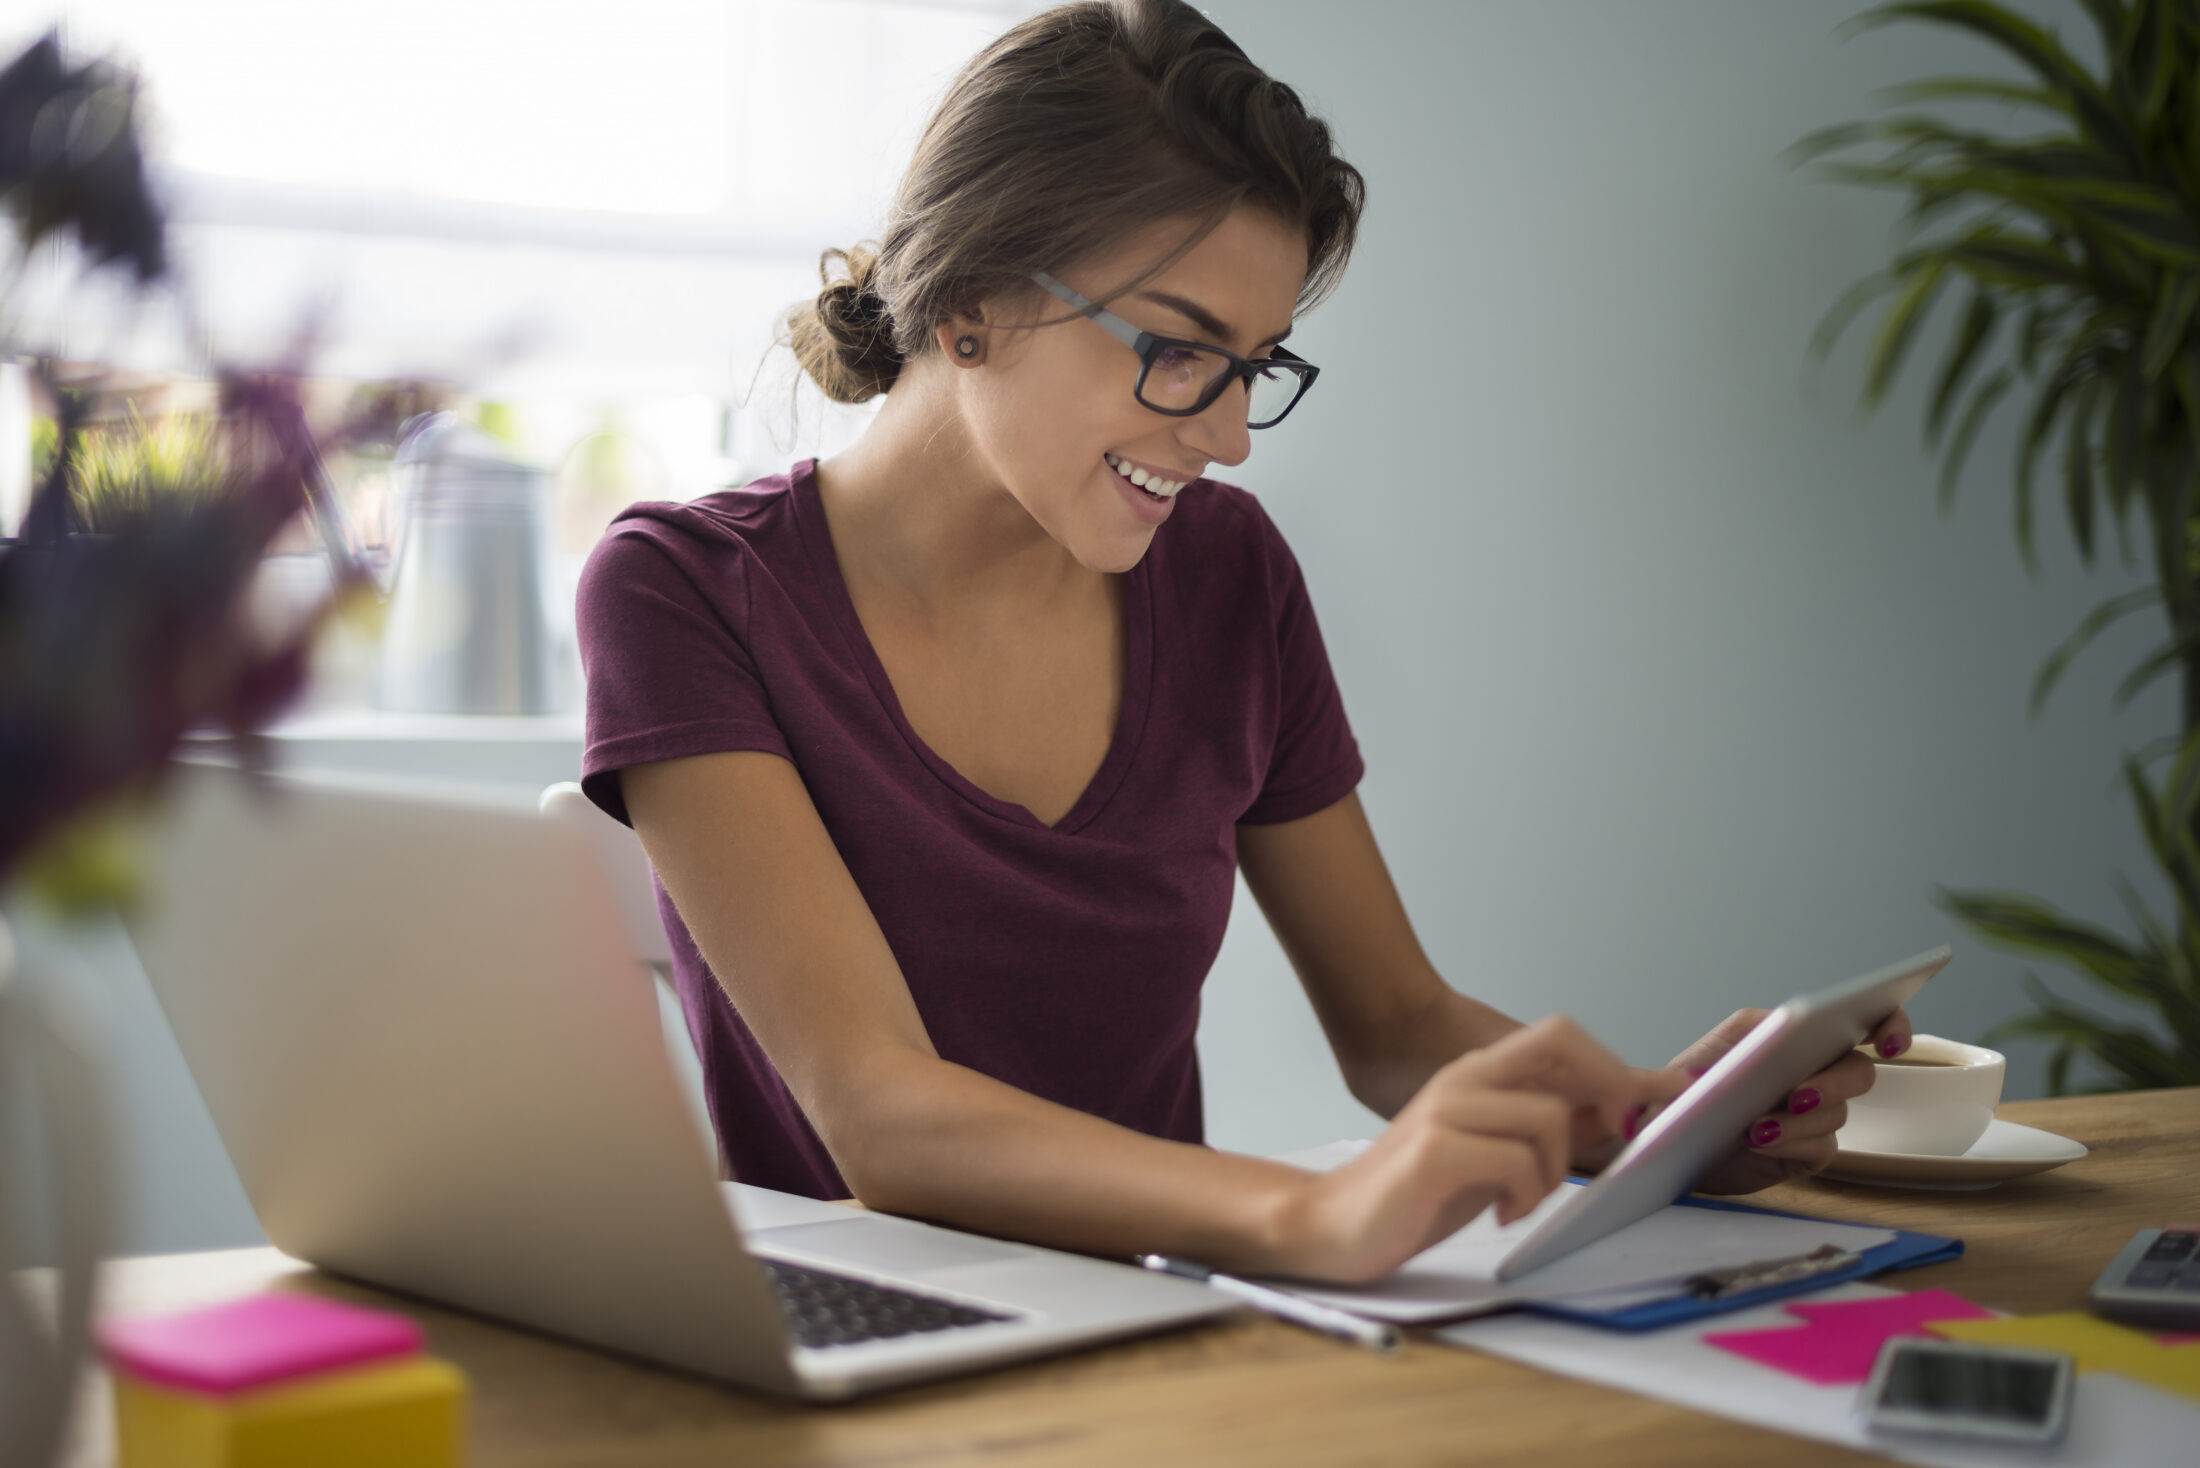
pixel 1797 1139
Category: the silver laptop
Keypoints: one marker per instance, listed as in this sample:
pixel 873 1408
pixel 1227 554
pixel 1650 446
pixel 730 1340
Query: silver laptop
pixel 417 1023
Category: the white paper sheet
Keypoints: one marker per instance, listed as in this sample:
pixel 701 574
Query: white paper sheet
pixel 2114 1423
pixel 1459 1275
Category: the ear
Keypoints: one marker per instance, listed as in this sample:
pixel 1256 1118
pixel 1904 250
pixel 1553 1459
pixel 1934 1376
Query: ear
pixel 963 337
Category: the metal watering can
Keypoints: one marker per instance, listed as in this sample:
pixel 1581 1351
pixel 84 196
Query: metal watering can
pixel 469 628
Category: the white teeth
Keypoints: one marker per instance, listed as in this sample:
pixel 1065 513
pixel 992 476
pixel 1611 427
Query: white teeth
pixel 1153 484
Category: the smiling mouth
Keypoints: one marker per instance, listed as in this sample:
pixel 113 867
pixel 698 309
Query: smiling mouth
pixel 1154 485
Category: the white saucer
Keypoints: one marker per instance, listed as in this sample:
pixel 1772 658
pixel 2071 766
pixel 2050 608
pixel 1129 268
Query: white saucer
pixel 2006 1151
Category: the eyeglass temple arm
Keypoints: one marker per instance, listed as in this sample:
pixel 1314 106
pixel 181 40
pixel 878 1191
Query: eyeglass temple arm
pixel 1115 326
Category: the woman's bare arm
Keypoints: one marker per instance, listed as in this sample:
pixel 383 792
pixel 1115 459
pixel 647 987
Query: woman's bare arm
pixel 773 908
pixel 1391 1020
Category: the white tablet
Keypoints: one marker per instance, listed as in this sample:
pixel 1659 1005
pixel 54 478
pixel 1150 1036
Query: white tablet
pixel 1794 1042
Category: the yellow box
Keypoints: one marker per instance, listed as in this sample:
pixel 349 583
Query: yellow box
pixel 409 1413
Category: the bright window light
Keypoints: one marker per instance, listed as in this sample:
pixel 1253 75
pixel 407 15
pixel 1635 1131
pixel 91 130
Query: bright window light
pixel 593 213
pixel 752 108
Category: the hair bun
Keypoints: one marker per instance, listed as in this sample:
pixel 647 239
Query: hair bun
pixel 845 338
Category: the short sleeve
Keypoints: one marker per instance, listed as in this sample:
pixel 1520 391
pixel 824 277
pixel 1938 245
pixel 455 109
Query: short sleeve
pixel 1315 761
pixel 668 672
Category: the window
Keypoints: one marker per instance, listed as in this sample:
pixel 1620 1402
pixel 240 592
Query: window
pixel 594 213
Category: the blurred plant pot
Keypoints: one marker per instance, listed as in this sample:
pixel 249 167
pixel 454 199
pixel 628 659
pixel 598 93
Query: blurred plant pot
pixel 45 1331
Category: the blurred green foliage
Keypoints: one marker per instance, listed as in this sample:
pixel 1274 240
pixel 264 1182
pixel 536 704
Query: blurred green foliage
pixel 2073 248
pixel 120 473
pixel 93 863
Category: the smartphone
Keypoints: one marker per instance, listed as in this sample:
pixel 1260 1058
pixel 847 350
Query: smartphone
pixel 1993 1394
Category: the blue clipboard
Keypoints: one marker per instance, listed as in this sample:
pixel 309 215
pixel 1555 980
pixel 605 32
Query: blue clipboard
pixel 1905 1250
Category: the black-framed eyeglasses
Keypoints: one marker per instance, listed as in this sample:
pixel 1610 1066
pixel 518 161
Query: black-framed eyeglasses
pixel 1181 378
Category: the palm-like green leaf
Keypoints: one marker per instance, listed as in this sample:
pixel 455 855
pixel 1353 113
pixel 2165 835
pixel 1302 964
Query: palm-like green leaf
pixel 1995 256
pixel 2110 21
pixel 2124 433
pixel 2078 466
pixel 2138 1059
pixel 2031 926
pixel 2036 49
pixel 2038 428
pixel 1921 284
pixel 2043 320
pixel 2171 323
pixel 1970 89
pixel 1971 336
pixel 2096 622
pixel 2161 971
pixel 2174 842
pixel 1990 392
pixel 1845 310
pixel 2166 658
pixel 2143 224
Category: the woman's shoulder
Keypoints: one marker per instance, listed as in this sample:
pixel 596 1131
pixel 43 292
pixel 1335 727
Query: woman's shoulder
pixel 757 517
pixel 718 542
pixel 712 554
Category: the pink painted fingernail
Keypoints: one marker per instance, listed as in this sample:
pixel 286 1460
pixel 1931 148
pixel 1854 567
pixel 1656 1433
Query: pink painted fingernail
pixel 1804 1100
pixel 1764 1133
pixel 1892 1045
pixel 1633 1121
pixel 1699 1071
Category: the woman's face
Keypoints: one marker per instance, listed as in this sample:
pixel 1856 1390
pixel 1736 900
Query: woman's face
pixel 1052 410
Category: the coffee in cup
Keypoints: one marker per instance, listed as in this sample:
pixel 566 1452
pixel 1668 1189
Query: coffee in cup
pixel 1934 1099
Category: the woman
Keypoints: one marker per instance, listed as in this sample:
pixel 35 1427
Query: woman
pixel 946 750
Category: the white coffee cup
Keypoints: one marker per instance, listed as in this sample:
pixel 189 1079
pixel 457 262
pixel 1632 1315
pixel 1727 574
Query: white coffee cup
pixel 1934 1099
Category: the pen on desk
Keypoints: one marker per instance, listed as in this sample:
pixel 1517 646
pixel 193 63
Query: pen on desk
pixel 1374 1334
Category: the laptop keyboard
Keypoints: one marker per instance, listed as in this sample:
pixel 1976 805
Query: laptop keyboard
pixel 833 1310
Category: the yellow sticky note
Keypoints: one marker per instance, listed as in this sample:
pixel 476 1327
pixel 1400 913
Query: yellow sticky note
pixel 409 1412
pixel 2095 1344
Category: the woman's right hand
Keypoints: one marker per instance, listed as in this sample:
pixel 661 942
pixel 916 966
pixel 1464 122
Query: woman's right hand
pixel 1498 1125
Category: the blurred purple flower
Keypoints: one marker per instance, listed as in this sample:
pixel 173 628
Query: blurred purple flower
pixel 70 159
pixel 112 646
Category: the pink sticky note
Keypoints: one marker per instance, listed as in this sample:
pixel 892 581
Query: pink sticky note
pixel 1824 1354
pixel 1894 1314
pixel 1840 1341
pixel 254 1342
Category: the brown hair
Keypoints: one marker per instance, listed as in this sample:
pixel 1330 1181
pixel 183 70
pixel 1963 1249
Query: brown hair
pixel 1072 131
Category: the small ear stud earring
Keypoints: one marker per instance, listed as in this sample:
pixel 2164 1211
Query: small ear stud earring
pixel 966 347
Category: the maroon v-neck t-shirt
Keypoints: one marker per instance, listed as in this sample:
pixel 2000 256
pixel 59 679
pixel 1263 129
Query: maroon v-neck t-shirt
pixel 1065 960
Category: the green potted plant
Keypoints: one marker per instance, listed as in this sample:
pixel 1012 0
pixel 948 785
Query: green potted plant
pixel 120 474
pixel 2071 238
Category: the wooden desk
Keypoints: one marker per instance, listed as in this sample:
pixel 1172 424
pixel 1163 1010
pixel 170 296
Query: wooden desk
pixel 1251 1390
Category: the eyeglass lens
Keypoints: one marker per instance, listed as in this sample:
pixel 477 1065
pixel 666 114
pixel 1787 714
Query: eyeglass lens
pixel 1181 376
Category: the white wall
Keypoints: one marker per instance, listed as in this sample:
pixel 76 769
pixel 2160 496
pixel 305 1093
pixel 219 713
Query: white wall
pixel 1676 693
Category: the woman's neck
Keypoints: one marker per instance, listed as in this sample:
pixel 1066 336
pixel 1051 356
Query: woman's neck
pixel 919 517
